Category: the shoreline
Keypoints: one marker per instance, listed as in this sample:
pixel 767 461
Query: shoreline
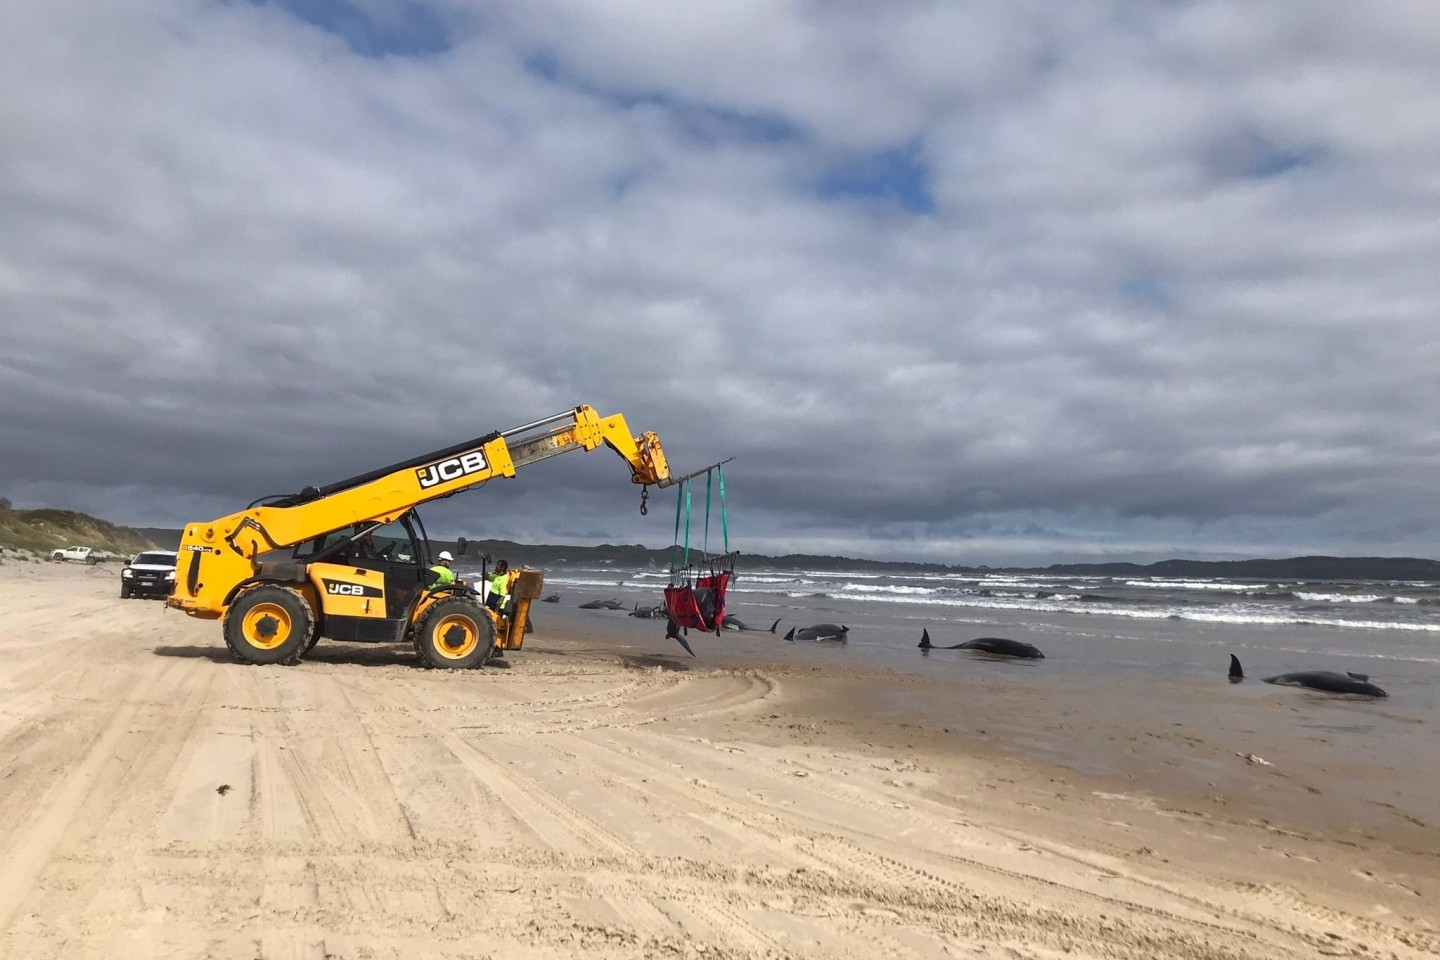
pixel 606 794
pixel 1182 740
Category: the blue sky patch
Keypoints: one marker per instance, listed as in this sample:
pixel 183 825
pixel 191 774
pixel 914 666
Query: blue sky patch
pixel 1249 154
pixel 413 31
pixel 696 121
pixel 897 176
pixel 1151 291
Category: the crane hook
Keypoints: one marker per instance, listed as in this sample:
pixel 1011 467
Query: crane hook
pixel 644 496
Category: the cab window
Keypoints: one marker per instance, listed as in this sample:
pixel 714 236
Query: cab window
pixel 392 542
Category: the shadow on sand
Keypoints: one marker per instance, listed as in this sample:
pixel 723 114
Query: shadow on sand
pixel 364 655
pixel 662 661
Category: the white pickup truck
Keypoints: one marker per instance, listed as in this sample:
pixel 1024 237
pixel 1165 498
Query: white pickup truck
pixel 81 554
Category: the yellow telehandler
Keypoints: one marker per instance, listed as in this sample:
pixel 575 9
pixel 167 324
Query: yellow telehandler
pixel 359 567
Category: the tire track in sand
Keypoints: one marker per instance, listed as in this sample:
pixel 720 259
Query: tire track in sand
pixel 562 828
pixel 39 838
pixel 856 865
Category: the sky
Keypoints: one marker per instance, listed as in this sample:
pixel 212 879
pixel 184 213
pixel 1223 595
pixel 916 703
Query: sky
pixel 990 282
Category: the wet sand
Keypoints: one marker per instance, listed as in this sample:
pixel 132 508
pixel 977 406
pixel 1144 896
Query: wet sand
pixel 608 795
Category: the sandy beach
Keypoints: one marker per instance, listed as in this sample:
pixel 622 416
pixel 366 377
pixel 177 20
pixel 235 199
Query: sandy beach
pixel 606 798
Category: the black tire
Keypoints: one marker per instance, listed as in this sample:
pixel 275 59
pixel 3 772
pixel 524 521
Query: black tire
pixel 269 623
pixel 455 634
pixel 124 591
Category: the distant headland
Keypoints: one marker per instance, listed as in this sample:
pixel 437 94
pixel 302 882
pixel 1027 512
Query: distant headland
pixel 26 528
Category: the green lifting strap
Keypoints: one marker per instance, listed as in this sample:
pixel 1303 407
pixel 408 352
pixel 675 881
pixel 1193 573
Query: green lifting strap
pixel 675 546
pixel 687 526
pixel 724 519
pixel 706 548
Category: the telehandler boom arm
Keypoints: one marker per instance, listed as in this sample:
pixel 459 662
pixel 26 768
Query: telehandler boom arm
pixel 219 556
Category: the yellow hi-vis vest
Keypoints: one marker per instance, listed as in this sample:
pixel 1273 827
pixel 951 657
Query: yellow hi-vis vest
pixel 500 586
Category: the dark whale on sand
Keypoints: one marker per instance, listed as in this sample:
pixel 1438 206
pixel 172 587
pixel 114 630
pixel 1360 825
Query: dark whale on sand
pixel 995 646
pixel 735 623
pixel 553 598
pixel 820 633
pixel 1327 680
pixel 603 605
pixel 649 613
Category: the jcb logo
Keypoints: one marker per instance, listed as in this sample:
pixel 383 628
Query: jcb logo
pixel 340 588
pixel 452 469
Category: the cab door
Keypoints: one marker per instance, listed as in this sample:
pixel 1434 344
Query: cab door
pixel 390 555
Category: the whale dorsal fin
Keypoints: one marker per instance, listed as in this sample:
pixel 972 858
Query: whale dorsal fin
pixel 1236 671
pixel 924 639
pixel 1358 676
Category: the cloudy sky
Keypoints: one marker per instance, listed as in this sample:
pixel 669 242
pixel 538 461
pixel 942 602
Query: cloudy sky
pixel 977 281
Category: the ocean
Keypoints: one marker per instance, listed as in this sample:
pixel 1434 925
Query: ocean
pixel 1390 629
pixel 1134 681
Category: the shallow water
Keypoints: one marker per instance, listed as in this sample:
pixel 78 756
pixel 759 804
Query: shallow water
pixel 1122 692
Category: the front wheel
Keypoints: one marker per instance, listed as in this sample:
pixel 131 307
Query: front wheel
pixel 269 623
pixel 455 634
pixel 124 591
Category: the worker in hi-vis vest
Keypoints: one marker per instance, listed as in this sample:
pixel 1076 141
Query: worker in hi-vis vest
pixel 499 586
pixel 444 576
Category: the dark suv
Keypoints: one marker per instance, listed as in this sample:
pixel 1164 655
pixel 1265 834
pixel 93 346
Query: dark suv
pixel 150 574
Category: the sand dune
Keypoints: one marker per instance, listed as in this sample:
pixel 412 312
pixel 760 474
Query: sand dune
pixel 158 800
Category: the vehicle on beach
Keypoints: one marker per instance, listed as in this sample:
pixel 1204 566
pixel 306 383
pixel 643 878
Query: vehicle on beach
pixel 149 574
pixel 79 554
pixel 361 567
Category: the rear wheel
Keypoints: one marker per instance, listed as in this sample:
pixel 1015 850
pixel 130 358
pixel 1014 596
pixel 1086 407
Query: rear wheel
pixel 455 634
pixel 269 624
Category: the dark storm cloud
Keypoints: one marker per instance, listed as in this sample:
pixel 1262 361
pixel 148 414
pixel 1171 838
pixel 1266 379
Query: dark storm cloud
pixel 993 283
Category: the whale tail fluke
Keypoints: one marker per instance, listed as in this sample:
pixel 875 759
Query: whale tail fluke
pixel 925 640
pixel 775 624
pixel 1237 673
pixel 791 635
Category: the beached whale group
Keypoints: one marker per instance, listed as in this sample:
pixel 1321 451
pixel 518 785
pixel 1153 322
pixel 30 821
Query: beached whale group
pixel 1326 681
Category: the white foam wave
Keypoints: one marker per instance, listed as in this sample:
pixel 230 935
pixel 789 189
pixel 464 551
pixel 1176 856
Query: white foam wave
pixel 1236 614
pixel 896 589
pixel 1216 586
pixel 1340 597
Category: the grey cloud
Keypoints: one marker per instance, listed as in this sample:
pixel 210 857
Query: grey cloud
pixel 1175 292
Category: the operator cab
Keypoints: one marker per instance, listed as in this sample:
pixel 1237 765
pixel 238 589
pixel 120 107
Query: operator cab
pixel 393 557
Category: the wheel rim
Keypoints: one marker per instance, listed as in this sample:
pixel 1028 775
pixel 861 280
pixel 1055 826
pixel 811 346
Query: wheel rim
pixel 266 626
pixel 456 637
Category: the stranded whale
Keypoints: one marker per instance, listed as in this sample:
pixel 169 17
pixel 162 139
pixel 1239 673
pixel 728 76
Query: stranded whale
pixel 821 633
pixel 995 646
pixel 1326 680
pixel 735 623
pixel 603 605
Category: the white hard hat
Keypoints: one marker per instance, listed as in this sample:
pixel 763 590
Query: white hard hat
pixel 445 555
